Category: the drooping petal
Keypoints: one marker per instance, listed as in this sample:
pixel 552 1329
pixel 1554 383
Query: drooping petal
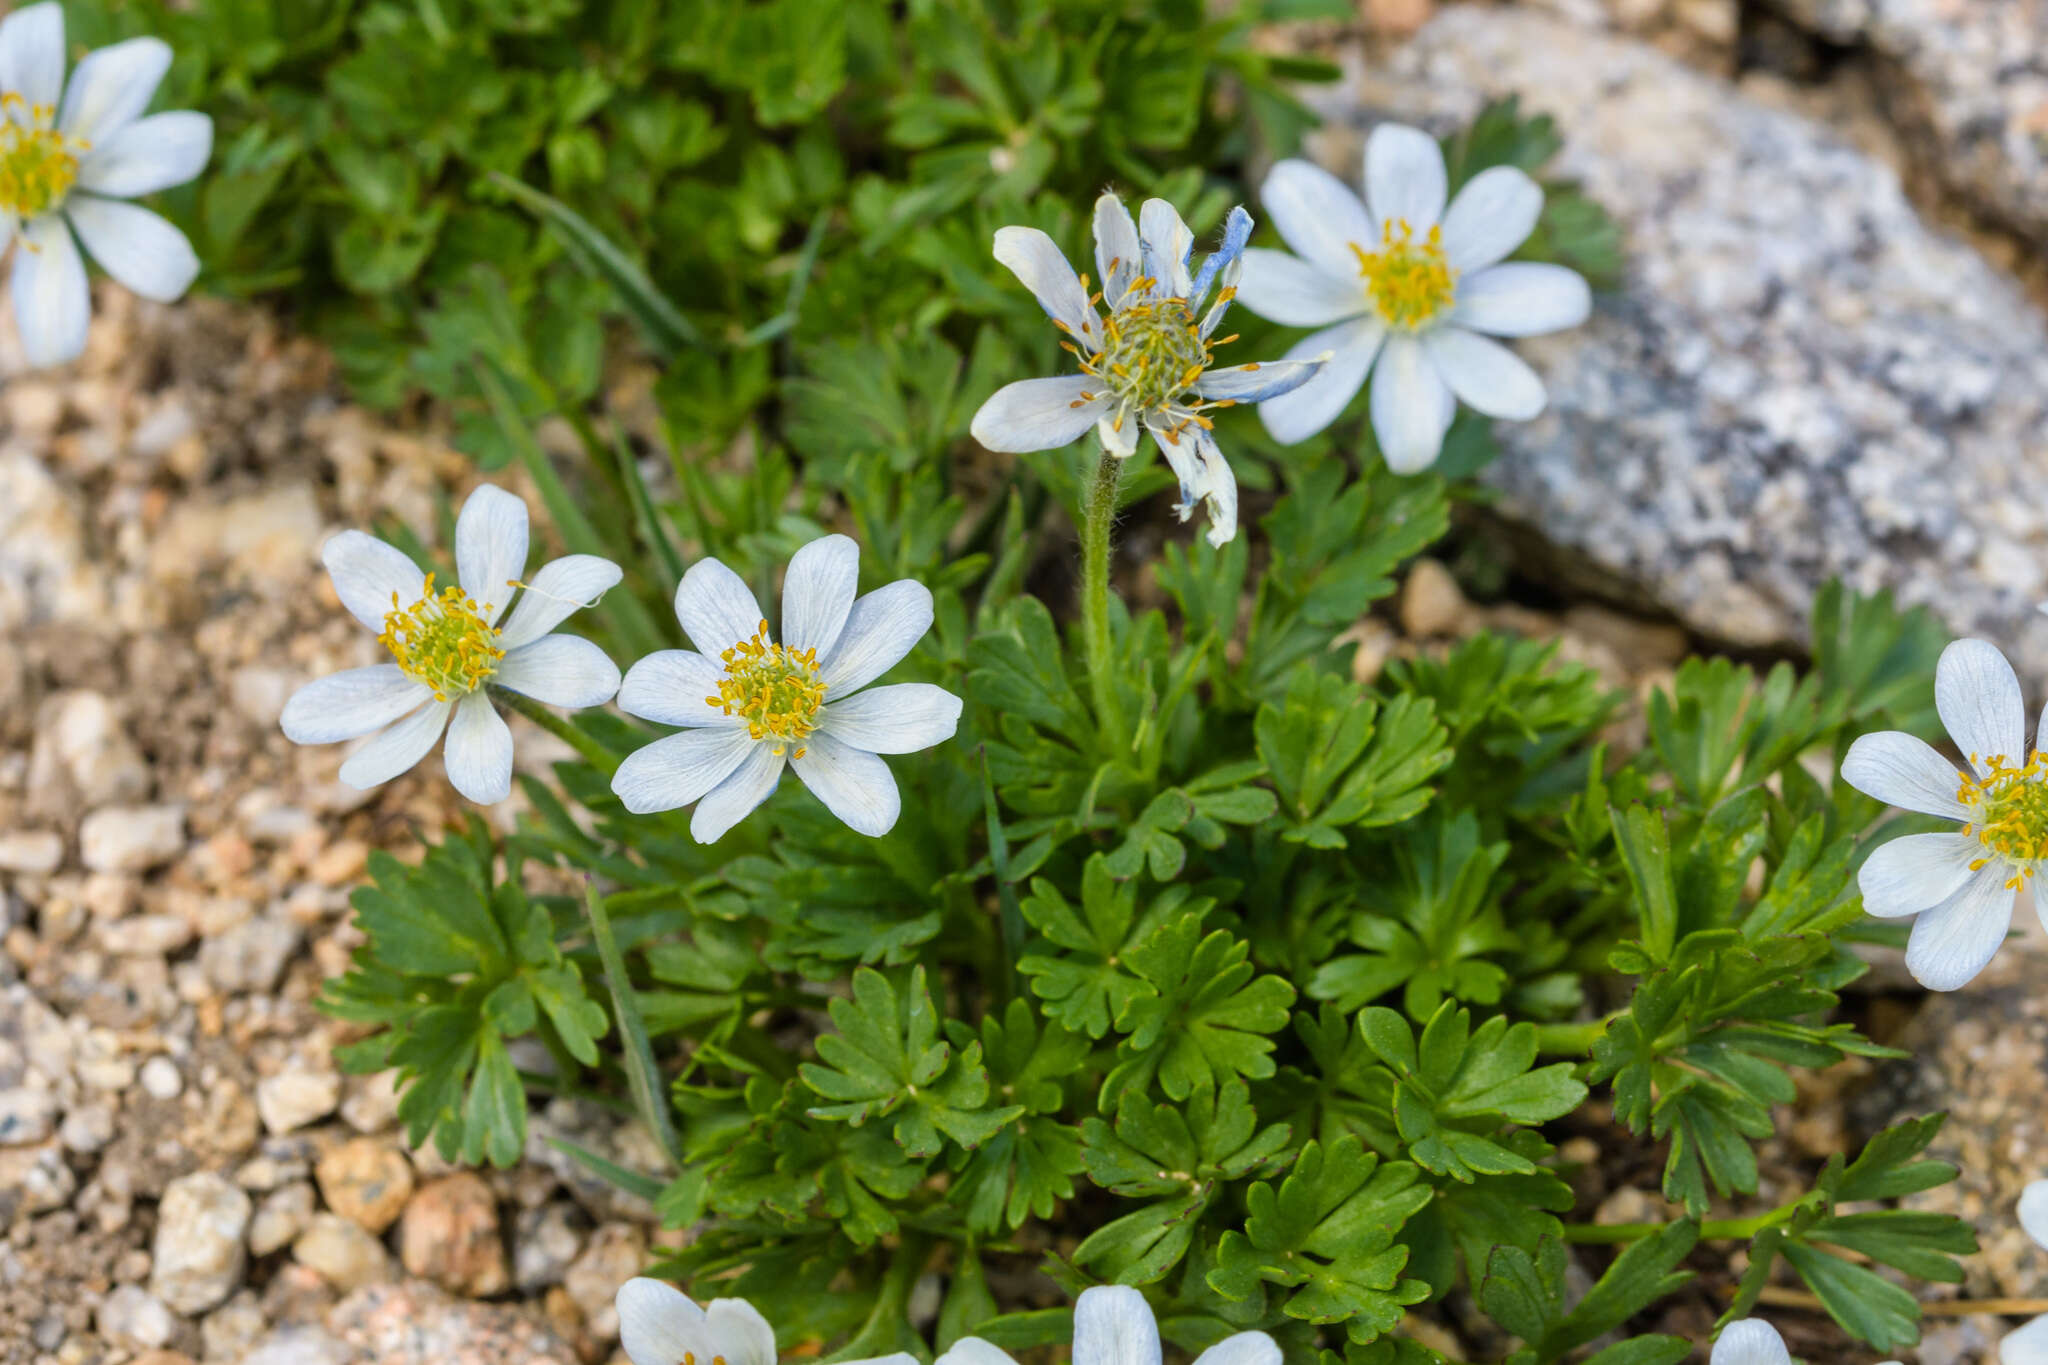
pixel 1113 1325
pixel 478 754
pixel 674 771
pixel 2041 900
pixel 561 670
pixel 350 703
pixel 1521 299
pixel 2026 1345
pixel 1237 230
pixel 1118 438
pixel 490 548
pixel 716 608
pixel 739 1332
pixel 1301 414
pixel 883 626
pixel 1117 252
pixel 1206 478
pixel 1320 217
pixel 899 719
pixel 1900 770
pixel 397 749
pixel 1954 941
pixel 1404 177
pixel 1244 1348
pixel 1286 289
pixel 975 1351
pixel 1258 381
pixel 1040 414
pixel 817 592
pixel 373 578
pixel 1042 267
pixel 658 1323
pixel 2033 1212
pixel 1485 374
pixel 672 687
pixel 32 54
pixel 111 87
pixel 562 587
pixel 855 785
pixel 732 800
pixel 51 302
pixel 1916 872
pixel 148 155
pixel 1410 406
pixel 1750 1342
pixel 1493 214
pixel 1978 696
pixel 1166 243
pixel 139 248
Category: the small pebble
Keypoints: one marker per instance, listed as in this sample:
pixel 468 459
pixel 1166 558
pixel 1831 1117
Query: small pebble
pixel 160 1078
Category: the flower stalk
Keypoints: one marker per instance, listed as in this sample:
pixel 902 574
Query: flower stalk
pixel 1098 517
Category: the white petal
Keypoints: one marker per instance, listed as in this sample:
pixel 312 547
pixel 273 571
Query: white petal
pixel 1521 299
pixel 51 303
pixel 2033 1212
pixel 490 548
pixel 672 687
pixel 561 670
pixel 1165 242
pixel 2027 1345
pixel 1306 411
pixel 732 800
pixel 1117 256
pixel 715 607
pixel 975 1351
pixel 1119 439
pixel 138 248
pixel 883 626
pixel 32 54
pixel 658 1323
pixel 1319 216
pixel 1039 414
pixel 478 754
pixel 371 577
pixel 562 587
pixel 1286 289
pixel 739 1332
pixel 350 703
pixel 111 87
pixel 1258 381
pixel 1205 479
pixel 1042 268
pixel 900 719
pixel 674 771
pixel 1978 696
pixel 1485 374
pixel 2041 901
pixel 1404 177
pixel 1113 1325
pixel 855 785
pixel 1750 1342
pixel 1954 941
pixel 1900 770
pixel 1408 406
pixel 1245 1348
pixel 148 155
pixel 817 592
pixel 396 750
pixel 1916 872
pixel 1492 215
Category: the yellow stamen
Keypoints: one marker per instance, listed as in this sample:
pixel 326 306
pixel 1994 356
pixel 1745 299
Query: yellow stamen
pixel 774 688
pixel 38 164
pixel 2010 812
pixel 443 640
pixel 1411 281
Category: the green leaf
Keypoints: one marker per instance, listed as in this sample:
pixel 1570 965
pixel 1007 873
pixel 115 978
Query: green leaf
pixel 1206 1017
pixel 1093 984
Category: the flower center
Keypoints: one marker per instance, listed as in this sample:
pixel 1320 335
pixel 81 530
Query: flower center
pixel 37 163
pixel 2011 812
pixel 1409 280
pixel 773 688
pixel 1152 352
pixel 442 640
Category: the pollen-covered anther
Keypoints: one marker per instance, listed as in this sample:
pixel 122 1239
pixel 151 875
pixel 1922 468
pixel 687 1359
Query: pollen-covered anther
pixel 444 640
pixel 2009 811
pixel 1153 351
pixel 773 688
pixel 1411 281
pixel 38 164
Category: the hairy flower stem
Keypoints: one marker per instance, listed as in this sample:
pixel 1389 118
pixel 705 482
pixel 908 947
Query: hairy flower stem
pixel 572 734
pixel 1100 514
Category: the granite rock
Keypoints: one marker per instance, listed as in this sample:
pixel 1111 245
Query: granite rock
pixel 416 1324
pixel 199 1256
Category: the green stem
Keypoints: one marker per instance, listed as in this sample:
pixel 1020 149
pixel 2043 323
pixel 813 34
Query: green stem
pixel 1574 1039
pixel 1095 526
pixel 1723 1229
pixel 574 735
pixel 649 1096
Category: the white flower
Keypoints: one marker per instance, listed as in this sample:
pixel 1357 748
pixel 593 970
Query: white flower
pixel 1400 281
pixel 1113 1325
pixel 1148 362
pixel 2029 1345
pixel 661 1325
pixel 1752 1341
pixel 1960 885
pixel 70 157
pixel 447 644
pixel 749 705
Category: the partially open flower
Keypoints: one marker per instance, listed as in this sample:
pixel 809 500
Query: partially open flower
pixel 661 1325
pixel 1113 1325
pixel 2029 1345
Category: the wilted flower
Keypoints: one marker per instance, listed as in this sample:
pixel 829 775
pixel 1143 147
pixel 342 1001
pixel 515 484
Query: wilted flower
pixel 1149 361
pixel 70 157
pixel 1403 288
pixel 1960 885
pixel 446 644
pixel 749 705
pixel 1113 1325
pixel 661 1325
